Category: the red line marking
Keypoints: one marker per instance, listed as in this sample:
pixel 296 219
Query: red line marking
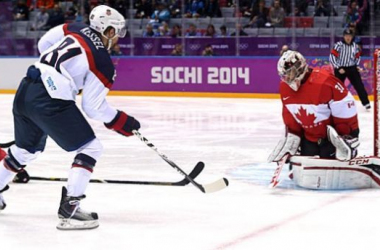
pixel 279 224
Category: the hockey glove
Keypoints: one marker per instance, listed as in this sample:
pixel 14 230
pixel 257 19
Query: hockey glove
pixel 346 146
pixel 22 177
pixel 287 145
pixel 123 124
pixel 349 149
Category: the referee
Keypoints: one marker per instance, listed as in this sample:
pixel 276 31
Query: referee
pixel 345 58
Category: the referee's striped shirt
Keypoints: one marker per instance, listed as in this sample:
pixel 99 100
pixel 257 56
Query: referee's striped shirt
pixel 345 55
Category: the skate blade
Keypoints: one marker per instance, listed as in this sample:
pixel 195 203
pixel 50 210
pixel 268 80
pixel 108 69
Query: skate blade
pixel 70 224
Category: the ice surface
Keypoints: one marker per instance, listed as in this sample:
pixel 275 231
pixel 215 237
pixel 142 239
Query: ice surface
pixel 233 137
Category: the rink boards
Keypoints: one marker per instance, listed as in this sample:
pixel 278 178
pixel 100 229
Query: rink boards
pixel 247 77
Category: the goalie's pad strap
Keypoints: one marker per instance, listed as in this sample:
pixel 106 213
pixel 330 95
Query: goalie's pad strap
pixel 287 145
pixel 314 173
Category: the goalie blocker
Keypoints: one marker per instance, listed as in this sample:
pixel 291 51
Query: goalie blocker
pixel 287 145
pixel 314 173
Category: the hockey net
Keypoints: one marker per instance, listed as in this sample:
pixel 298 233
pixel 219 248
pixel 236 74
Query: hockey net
pixel 376 102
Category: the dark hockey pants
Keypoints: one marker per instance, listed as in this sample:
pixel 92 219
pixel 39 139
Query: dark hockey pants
pixel 323 148
pixel 353 75
pixel 37 115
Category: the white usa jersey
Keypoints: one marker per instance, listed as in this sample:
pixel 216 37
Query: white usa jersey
pixel 73 58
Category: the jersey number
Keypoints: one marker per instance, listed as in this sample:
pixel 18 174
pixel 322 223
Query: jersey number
pixel 56 59
pixel 339 87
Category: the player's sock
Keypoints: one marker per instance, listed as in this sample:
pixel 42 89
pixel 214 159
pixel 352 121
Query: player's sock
pixel 72 217
pixel 7 172
pixel 80 174
pixel 8 169
pixel 2 154
pixel 77 181
pixel 5 177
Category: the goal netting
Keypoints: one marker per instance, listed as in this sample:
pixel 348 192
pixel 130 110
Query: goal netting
pixel 376 104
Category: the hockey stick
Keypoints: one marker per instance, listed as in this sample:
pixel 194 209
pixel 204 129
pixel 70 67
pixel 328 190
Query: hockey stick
pixel 193 174
pixel 276 176
pixel 7 144
pixel 212 187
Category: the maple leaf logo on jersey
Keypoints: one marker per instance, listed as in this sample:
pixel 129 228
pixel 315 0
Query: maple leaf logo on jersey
pixel 305 118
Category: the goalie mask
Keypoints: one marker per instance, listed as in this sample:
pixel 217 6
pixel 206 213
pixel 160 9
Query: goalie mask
pixel 102 17
pixel 292 67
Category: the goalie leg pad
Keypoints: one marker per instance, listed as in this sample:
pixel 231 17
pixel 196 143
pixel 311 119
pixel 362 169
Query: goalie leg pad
pixel 315 173
pixel 287 145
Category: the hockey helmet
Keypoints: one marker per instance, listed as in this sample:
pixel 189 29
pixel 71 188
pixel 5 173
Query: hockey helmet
pixel 292 68
pixel 102 17
pixel 348 31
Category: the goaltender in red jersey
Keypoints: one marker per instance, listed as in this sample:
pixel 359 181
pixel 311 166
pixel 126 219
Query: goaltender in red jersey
pixel 321 122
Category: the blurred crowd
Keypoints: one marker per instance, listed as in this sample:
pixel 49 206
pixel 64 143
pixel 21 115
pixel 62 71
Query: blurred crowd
pixel 44 14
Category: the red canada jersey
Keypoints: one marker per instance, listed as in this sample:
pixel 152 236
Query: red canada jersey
pixel 320 101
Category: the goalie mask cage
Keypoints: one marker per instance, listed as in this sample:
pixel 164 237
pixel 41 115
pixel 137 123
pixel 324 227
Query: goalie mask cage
pixel 376 104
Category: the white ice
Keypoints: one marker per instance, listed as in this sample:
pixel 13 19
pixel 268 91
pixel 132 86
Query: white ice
pixel 233 137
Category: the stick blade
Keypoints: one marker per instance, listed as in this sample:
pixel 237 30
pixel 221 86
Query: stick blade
pixel 193 174
pixel 215 186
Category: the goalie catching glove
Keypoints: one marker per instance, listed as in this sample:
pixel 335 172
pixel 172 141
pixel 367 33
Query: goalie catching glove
pixel 346 146
pixel 287 145
pixel 123 124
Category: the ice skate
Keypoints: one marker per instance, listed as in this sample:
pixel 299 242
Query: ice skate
pixel 72 217
pixel 2 201
pixel 367 107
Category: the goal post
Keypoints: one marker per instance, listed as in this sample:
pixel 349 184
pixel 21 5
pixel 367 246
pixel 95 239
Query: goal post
pixel 376 109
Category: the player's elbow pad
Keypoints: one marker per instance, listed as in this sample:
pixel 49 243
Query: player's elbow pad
pixel 123 124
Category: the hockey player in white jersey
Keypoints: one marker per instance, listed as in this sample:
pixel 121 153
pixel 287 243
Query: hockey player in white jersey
pixel 74 57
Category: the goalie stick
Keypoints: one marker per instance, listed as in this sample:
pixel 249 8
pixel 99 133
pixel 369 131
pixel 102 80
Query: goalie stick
pixel 208 188
pixel 276 176
pixel 7 144
pixel 193 174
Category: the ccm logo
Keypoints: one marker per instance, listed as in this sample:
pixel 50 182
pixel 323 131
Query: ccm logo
pixel 358 161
